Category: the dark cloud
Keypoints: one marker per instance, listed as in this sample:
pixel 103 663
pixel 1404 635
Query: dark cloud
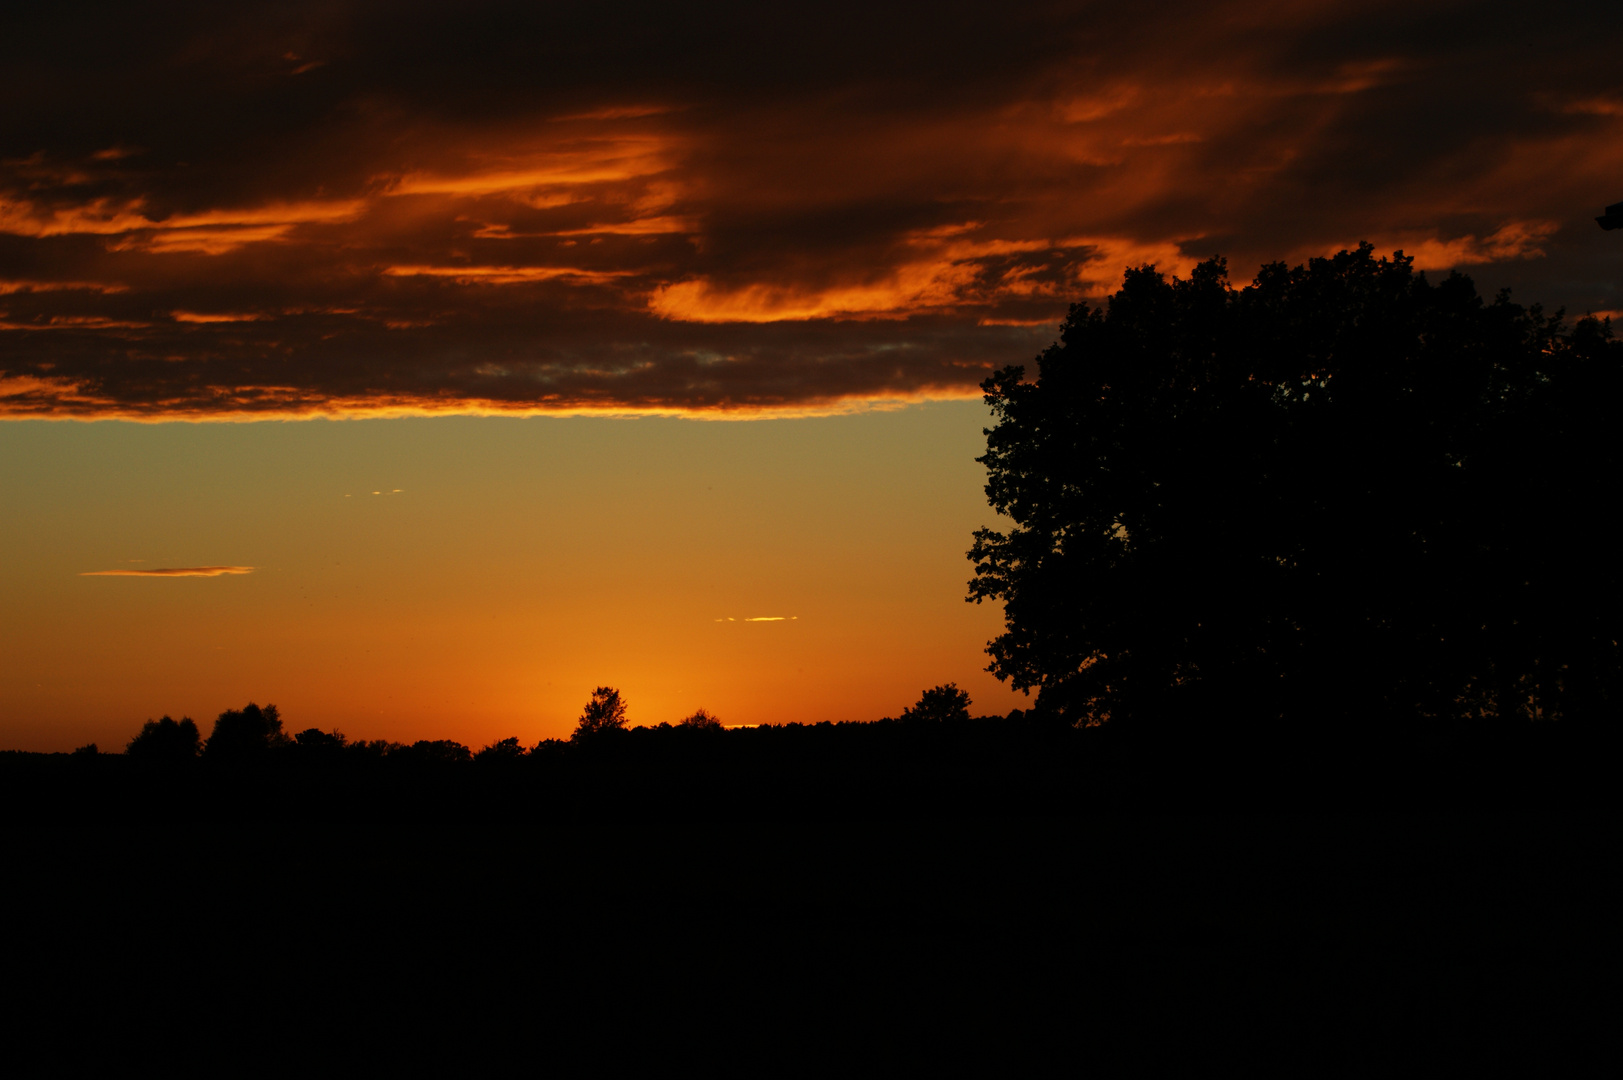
pixel 352 208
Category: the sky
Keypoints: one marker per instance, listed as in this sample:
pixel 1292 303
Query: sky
pixel 655 315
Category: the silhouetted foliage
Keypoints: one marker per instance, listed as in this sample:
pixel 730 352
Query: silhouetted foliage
pixel 549 749
pixel 376 748
pixel 1340 490
pixel 314 739
pixel 165 740
pixel 940 703
pixel 502 750
pixel 87 750
pixel 701 720
pixel 606 712
pixel 242 734
pixel 433 752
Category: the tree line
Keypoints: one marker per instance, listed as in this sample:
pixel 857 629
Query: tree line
pixel 254 732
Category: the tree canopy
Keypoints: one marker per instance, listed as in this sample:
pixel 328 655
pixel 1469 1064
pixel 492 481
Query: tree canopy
pixel 1340 491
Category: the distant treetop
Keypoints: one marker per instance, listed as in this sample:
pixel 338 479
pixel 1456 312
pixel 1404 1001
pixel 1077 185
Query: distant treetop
pixel 244 733
pixel 165 740
pixel 701 720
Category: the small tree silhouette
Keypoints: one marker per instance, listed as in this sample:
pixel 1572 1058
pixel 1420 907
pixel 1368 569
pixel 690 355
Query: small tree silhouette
pixel 701 720
pixel 165 740
pixel 605 712
pixel 940 703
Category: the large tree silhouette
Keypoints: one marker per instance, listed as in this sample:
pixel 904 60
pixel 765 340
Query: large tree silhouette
pixel 1340 491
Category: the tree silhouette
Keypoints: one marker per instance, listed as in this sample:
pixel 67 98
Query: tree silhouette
pixel 240 734
pixel 165 740
pixel 1340 490
pixel 606 712
pixel 701 720
pixel 938 704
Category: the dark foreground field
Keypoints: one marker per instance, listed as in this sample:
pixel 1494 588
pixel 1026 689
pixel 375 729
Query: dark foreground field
pixel 864 899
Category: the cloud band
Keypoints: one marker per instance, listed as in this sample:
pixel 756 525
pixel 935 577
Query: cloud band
pixel 690 221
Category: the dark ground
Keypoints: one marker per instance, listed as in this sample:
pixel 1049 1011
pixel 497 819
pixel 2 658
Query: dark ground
pixel 992 906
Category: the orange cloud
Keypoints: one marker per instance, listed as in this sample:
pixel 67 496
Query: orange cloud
pixel 106 217
pixel 1512 241
pixel 1596 106
pixel 216 241
pixel 201 317
pixel 610 160
pixel 183 571
pixel 956 272
pixel 7 287
pixel 72 322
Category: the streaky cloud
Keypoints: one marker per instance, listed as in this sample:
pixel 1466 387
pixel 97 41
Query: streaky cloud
pixel 177 571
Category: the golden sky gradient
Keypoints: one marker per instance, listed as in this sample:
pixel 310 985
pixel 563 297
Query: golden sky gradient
pixel 833 224
pixel 476 577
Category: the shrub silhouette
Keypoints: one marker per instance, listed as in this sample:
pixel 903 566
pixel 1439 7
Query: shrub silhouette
pixel 939 704
pixel 240 734
pixel 606 712
pixel 165 740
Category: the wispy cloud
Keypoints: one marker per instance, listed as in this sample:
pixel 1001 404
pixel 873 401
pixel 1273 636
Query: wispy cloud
pixel 505 275
pixel 178 571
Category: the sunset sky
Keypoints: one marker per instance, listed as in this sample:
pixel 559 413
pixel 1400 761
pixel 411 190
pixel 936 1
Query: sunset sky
pixel 640 344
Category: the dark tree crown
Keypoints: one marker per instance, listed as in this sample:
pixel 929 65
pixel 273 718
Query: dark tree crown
pixel 1341 489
